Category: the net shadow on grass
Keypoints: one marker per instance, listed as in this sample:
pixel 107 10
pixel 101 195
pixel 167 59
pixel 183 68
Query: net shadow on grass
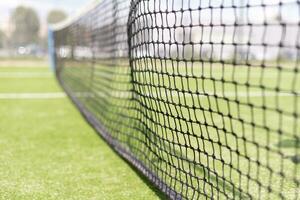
pixel 145 179
pixel 289 143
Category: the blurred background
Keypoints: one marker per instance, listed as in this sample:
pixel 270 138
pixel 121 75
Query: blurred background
pixel 23 24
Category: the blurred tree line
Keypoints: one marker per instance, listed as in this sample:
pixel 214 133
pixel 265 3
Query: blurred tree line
pixel 2 39
pixel 25 28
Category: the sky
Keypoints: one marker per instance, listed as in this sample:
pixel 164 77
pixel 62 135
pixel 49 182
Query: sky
pixel 41 6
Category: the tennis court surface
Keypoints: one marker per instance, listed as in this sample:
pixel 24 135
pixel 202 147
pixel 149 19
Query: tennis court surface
pixel 48 151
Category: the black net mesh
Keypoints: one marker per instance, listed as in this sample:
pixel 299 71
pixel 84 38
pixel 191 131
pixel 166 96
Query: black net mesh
pixel 201 96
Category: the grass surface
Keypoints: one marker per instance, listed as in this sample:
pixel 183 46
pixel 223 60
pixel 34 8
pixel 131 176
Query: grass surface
pixel 48 151
pixel 34 85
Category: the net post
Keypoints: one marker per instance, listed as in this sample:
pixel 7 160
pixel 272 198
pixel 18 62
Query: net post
pixel 51 49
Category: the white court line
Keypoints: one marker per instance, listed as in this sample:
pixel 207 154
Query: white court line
pixel 54 95
pixel 26 75
pixel 59 95
pixel 236 94
pixel 187 94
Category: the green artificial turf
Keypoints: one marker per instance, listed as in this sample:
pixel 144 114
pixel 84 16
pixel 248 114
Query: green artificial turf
pixel 32 85
pixel 48 151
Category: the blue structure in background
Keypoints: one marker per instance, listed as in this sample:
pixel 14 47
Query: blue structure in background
pixel 51 49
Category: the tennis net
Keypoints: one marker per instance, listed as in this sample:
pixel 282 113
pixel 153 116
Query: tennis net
pixel 201 96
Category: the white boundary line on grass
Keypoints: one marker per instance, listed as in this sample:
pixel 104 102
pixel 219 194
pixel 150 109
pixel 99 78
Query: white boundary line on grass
pixel 54 95
pixel 26 75
pixel 250 94
pixel 59 95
